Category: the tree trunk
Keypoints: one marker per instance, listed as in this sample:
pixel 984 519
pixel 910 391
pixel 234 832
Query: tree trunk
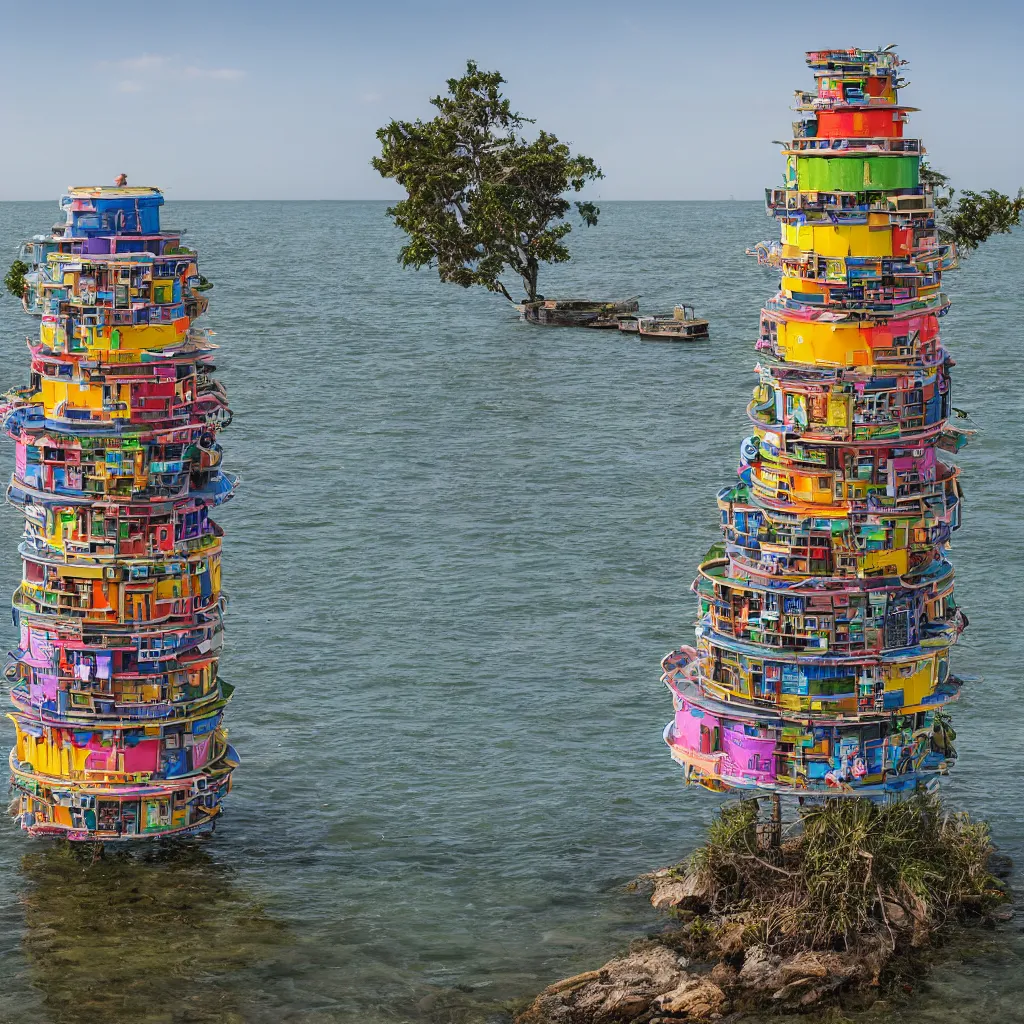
pixel 529 276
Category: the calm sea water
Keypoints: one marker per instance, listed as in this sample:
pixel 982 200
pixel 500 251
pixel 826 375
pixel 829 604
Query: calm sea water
pixel 461 546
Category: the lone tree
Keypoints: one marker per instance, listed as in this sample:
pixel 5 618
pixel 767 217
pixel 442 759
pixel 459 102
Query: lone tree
pixel 481 197
pixel 975 216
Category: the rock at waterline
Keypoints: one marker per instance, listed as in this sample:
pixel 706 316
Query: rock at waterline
pixel 790 926
pixel 695 997
pixel 670 889
pixel 653 982
pixel 624 989
pixel 999 865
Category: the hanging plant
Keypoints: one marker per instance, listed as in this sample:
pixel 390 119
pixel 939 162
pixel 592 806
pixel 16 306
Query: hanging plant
pixel 15 279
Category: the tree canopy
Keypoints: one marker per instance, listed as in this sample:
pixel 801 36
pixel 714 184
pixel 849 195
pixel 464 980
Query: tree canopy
pixel 481 197
pixel 975 216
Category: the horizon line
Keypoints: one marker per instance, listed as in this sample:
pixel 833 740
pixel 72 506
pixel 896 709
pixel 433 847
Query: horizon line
pixel 178 199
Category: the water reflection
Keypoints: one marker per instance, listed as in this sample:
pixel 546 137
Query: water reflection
pixel 157 935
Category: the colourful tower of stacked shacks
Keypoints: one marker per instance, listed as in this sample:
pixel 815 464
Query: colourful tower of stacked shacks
pixel 826 616
pixel 117 701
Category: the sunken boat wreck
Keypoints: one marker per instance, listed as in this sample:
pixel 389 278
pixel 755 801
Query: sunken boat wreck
pixel 578 312
pixel 118 703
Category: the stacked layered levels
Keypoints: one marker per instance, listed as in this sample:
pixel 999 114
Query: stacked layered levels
pixel 117 700
pixel 826 617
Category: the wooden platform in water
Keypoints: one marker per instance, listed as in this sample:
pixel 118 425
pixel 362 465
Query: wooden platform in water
pixel 680 325
pixel 579 312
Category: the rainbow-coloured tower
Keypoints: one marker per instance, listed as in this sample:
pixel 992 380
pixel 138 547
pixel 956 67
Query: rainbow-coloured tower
pixel 827 615
pixel 117 701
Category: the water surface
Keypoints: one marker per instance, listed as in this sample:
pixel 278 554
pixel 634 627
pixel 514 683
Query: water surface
pixel 460 548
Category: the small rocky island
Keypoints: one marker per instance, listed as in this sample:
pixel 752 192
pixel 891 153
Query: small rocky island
pixel 844 907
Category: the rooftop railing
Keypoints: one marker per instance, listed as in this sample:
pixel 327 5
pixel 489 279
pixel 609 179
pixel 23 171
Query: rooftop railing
pixel 842 147
pixel 812 101
pixel 785 199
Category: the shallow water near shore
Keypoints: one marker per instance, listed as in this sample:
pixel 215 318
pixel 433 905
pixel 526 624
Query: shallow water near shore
pixel 460 548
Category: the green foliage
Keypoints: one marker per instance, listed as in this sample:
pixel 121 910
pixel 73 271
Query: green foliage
pixel 481 198
pixel 975 216
pixel 854 869
pixel 735 828
pixel 731 835
pixel 978 216
pixel 938 182
pixel 700 931
pixel 204 285
pixel 14 282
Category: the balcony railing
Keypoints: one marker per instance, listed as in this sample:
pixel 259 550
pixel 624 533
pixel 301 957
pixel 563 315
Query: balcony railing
pixel 812 101
pixel 841 147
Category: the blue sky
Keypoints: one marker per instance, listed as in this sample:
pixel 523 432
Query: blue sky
pixel 255 100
